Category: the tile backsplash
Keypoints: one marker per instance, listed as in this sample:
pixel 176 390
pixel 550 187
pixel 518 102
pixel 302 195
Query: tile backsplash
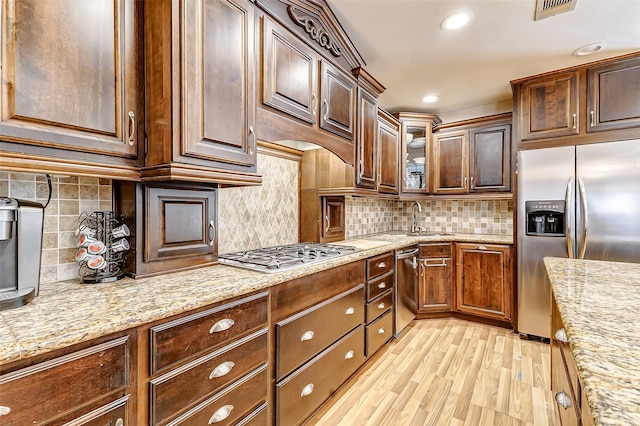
pixel 70 196
pixel 366 216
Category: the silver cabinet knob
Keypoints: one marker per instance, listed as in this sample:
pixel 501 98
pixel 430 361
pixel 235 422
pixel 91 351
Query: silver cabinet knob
pixel 381 330
pixel 348 355
pixel 563 400
pixel 350 310
pixel 307 390
pixel 221 414
pixel 381 306
pixel 119 422
pixel 381 265
pixel 561 336
pixel 382 285
pixel 221 370
pixel 4 410
pixel 308 335
pixel 221 325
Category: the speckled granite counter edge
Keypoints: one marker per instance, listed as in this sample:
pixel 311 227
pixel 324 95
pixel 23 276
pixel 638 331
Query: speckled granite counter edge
pixel 67 313
pixel 597 301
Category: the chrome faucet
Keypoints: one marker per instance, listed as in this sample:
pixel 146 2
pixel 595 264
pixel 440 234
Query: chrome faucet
pixel 414 222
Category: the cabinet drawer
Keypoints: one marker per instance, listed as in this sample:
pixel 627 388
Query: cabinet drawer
pixel 379 265
pixel 378 286
pixel 230 405
pixel 180 339
pixel 379 332
pixel 307 388
pixel 435 250
pixel 85 376
pixel 190 384
pixel 302 336
pixel 377 307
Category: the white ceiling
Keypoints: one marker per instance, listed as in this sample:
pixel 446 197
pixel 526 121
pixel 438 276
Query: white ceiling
pixel 470 69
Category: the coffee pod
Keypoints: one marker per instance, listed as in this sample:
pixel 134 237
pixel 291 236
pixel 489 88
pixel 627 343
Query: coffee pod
pixel 96 247
pixel 84 240
pixel 87 230
pixel 120 231
pixel 82 254
pixel 121 245
pixel 96 262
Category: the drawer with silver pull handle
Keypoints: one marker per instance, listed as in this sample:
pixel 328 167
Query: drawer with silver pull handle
pixel 379 285
pixel 379 265
pixel 378 333
pixel 191 335
pixel 304 390
pixel 379 306
pixel 301 336
pixel 201 378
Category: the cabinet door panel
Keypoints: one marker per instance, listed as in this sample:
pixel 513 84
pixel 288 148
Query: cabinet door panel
pixel 70 74
pixel 218 92
pixel 338 101
pixel 614 96
pixel 450 163
pixel 435 291
pixel 490 159
pixel 484 280
pixel 366 157
pixel 388 142
pixel 289 80
pixel 549 107
pixel 333 219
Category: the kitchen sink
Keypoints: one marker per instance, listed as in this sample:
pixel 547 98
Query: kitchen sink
pixel 417 234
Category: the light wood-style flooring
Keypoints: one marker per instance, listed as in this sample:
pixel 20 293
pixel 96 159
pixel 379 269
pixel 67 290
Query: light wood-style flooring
pixel 450 372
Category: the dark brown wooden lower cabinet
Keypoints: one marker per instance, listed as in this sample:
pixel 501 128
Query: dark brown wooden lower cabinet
pixel 484 280
pixel 378 333
pixel 298 395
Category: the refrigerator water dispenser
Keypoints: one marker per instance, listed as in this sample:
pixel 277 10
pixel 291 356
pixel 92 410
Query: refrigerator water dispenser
pixel 546 218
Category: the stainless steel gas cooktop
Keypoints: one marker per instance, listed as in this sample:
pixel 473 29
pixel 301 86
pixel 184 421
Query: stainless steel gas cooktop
pixel 284 258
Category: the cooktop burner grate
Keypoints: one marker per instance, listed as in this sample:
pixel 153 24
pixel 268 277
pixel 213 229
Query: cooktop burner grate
pixel 283 258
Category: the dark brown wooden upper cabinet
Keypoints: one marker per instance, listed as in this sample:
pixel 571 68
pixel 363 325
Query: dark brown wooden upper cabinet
pixel 613 96
pixel 490 159
pixel 472 156
pixel 290 73
pixel 388 153
pixel 451 163
pixel 200 91
pixel 415 153
pixel 366 147
pixel 549 106
pixel 338 94
pixel 71 72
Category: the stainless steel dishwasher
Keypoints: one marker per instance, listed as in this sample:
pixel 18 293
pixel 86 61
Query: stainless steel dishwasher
pixel 404 297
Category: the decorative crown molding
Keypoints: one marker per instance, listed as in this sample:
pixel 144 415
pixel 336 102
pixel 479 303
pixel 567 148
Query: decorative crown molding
pixel 315 30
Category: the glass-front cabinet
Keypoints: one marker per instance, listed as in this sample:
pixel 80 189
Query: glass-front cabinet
pixel 416 151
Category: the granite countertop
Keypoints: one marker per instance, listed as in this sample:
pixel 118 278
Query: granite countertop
pixel 598 302
pixel 68 312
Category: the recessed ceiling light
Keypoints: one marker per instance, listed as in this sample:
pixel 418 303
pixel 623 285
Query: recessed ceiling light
pixel 430 98
pixel 457 20
pixel 590 49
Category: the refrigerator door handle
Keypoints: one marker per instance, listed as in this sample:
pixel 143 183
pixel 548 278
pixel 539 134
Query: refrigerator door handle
pixel 567 201
pixel 585 218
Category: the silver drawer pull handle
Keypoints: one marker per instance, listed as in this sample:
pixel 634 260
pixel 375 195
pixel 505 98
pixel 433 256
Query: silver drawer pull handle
pixel 306 390
pixel 221 414
pixel 381 330
pixel 563 400
pixel 481 248
pixel 221 370
pixel 4 410
pixel 119 422
pixel 350 311
pixel 382 285
pixel 348 355
pixel 308 335
pixel 221 325
pixel 593 119
pixel 381 306
pixel 132 128
pixel 561 336
pixel 382 265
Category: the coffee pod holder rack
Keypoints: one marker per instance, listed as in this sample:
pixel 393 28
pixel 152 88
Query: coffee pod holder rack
pixel 100 226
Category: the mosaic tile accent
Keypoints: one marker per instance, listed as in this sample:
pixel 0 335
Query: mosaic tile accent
pixel 492 217
pixel 261 216
pixel 70 196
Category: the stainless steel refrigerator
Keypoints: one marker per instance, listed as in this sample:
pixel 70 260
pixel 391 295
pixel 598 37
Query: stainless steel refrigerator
pixel 579 202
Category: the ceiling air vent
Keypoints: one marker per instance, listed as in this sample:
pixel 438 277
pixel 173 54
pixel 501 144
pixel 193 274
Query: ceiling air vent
pixel 546 8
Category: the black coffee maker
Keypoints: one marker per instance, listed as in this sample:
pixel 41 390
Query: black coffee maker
pixel 21 224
